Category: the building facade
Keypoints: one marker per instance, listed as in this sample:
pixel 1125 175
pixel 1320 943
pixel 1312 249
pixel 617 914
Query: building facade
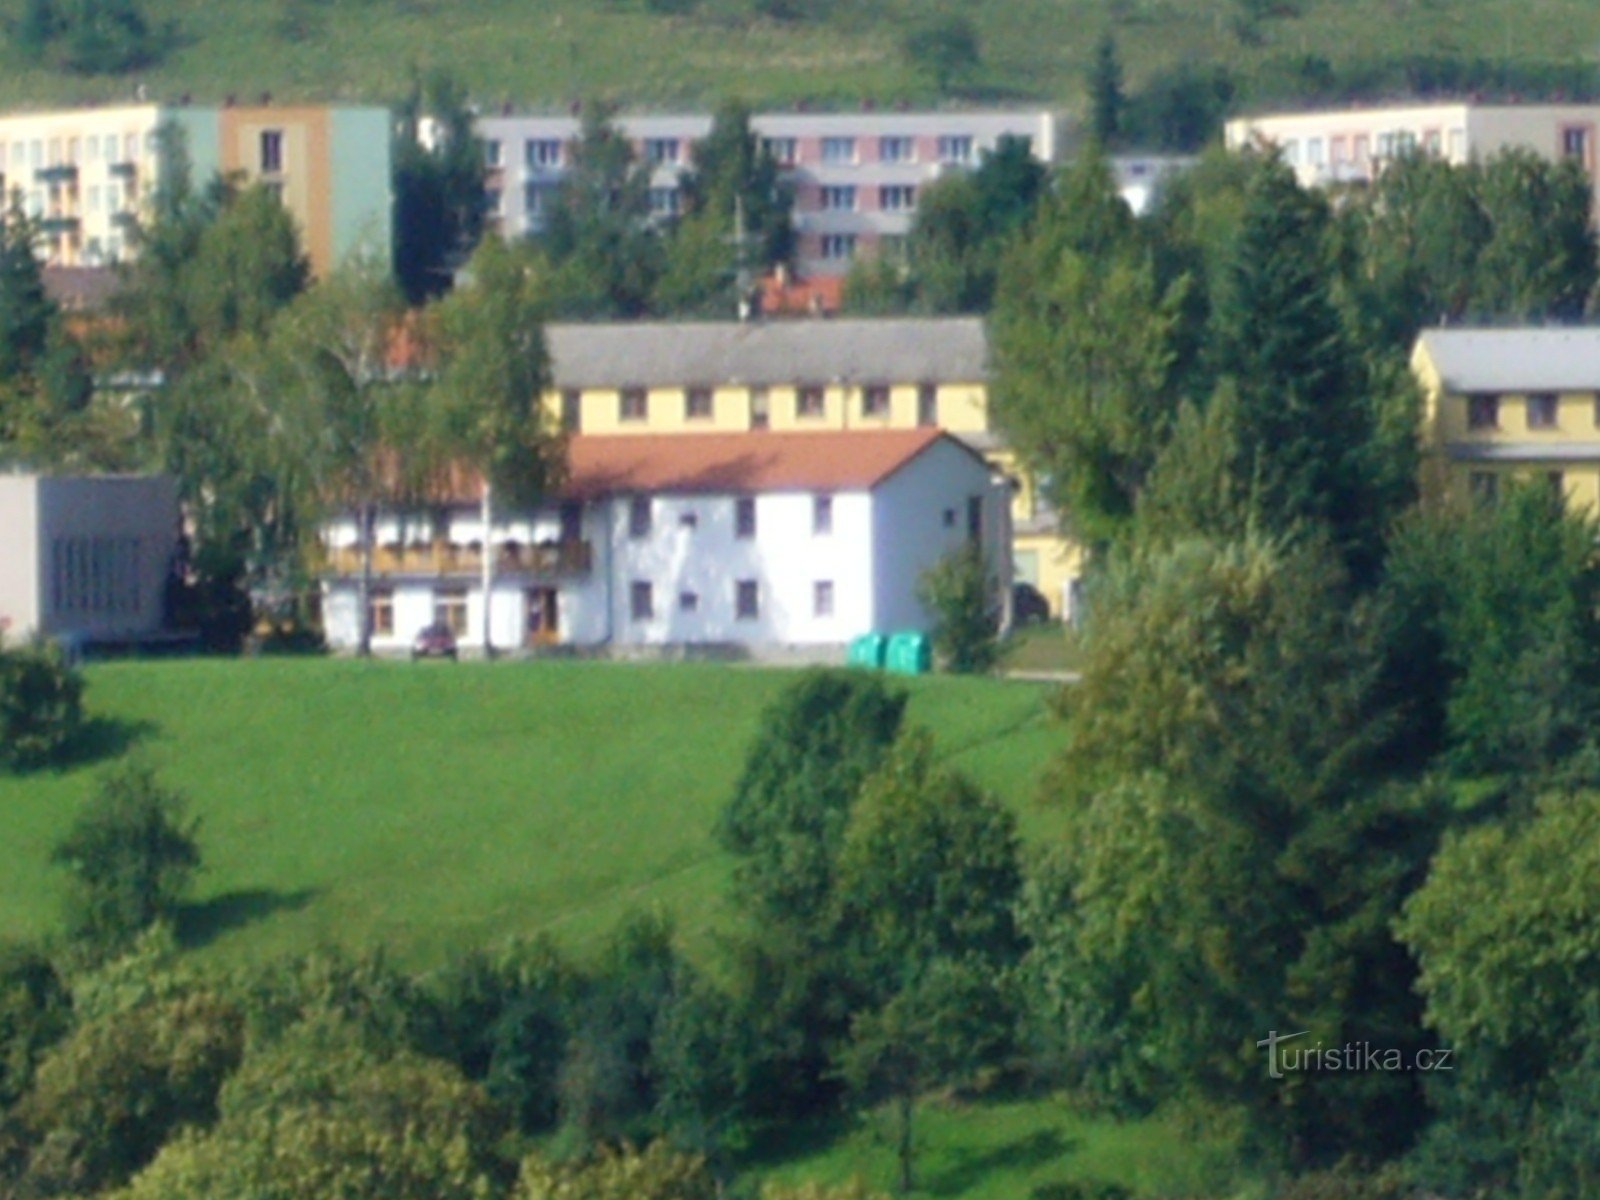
pixel 87 175
pixel 725 539
pixel 804 375
pixel 856 176
pixel 1351 145
pixel 1512 404
pixel 85 557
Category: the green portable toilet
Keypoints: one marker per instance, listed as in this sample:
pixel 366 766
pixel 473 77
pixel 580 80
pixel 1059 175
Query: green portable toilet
pixel 868 650
pixel 910 653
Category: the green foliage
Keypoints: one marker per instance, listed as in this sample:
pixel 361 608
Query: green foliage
pixel 319 1113
pixel 35 1013
pixel 438 212
pixel 92 37
pixel 1496 632
pixel 945 50
pixel 106 1097
pixel 131 855
pixel 1234 843
pixel 818 743
pixel 1106 98
pixel 1084 343
pixel 656 1173
pixel 959 593
pixel 41 706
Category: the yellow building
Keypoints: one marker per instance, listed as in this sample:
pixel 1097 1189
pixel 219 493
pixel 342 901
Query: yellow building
pixel 1502 404
pixel 87 175
pixel 858 373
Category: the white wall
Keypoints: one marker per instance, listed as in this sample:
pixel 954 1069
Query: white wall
pixel 19 556
pixel 920 515
pixel 785 558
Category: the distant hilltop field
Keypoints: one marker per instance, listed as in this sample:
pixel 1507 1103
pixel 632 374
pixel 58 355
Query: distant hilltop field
pixel 666 53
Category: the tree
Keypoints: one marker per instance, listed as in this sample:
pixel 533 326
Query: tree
pixel 492 375
pixel 1085 345
pixel 656 1173
pixel 35 1014
pixel 131 855
pixel 41 706
pixel 438 184
pixel 605 256
pixel 1105 93
pixel 944 49
pixel 960 594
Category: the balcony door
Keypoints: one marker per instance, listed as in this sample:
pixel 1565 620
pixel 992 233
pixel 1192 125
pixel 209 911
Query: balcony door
pixel 541 616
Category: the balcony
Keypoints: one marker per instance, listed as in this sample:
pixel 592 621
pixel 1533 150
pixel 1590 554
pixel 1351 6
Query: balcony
pixel 59 173
pixel 443 559
pixel 123 170
pixel 58 224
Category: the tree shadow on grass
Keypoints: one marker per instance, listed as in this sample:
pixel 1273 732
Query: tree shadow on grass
pixel 971 1167
pixel 203 922
pixel 102 738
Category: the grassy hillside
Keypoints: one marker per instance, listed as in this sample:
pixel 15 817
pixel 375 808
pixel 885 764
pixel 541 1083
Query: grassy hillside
pixel 437 806
pixel 548 52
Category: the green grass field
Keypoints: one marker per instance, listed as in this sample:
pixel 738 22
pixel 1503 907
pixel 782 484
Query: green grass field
pixel 548 52
pixel 435 806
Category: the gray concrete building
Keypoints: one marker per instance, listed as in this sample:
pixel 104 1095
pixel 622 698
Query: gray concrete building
pixel 85 557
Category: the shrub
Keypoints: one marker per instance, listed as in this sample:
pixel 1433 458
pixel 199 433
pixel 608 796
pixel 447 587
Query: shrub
pixel 41 706
pixel 132 855
pixel 965 632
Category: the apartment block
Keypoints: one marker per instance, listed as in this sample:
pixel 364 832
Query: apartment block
pixel 1334 146
pixel 857 176
pixel 87 174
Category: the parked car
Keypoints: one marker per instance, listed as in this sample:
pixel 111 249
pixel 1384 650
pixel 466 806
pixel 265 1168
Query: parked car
pixel 434 641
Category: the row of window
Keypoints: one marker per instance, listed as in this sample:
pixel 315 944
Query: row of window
pixel 670 151
pixel 633 405
pixel 55 152
pixel 892 197
pixel 1359 149
pixel 95 575
pixel 641 516
pixel 1485 485
pixel 746 600
pixel 1540 408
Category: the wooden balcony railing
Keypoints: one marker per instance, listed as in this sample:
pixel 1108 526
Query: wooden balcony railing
pixel 550 558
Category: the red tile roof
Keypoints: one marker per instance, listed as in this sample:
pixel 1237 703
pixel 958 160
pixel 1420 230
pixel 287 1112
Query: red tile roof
pixel 850 460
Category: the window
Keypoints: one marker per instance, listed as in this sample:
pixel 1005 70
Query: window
pixel 697 404
pixel 927 405
pixel 1433 143
pixel 746 600
pixel 494 202
pixel 1314 152
pixel 955 148
pixel 974 518
pixel 662 150
pixel 822 598
pixel 639 517
pixel 688 602
pixel 689 520
pixel 1557 484
pixel 664 201
pixel 572 410
pixel 450 610
pixel 822 515
pixel 1483 412
pixel 271 151
pixel 809 402
pixel 897 150
pixel 1338 151
pixel 897 197
pixel 784 150
pixel 1484 486
pixel 839 199
pixel 633 404
pixel 838 150
pixel 1542 410
pixel 542 152
pixel 1291 152
pixel 875 401
pixel 493 153
pixel 744 517
pixel 1575 143
pixel 380 614
pixel 760 408
pixel 838 246
pixel 949 518
pixel 1361 156
pixel 641 601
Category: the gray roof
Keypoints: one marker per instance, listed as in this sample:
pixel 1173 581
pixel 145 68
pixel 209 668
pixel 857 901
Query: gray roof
pixel 769 353
pixel 1515 360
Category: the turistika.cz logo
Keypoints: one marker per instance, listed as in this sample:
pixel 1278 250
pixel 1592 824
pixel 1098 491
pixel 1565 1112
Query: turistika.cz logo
pixel 1283 1059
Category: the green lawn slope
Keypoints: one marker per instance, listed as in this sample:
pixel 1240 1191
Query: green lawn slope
pixel 432 807
pixel 549 52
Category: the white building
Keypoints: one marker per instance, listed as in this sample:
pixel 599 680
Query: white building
pixel 757 540
pixel 86 557
pixel 1351 145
